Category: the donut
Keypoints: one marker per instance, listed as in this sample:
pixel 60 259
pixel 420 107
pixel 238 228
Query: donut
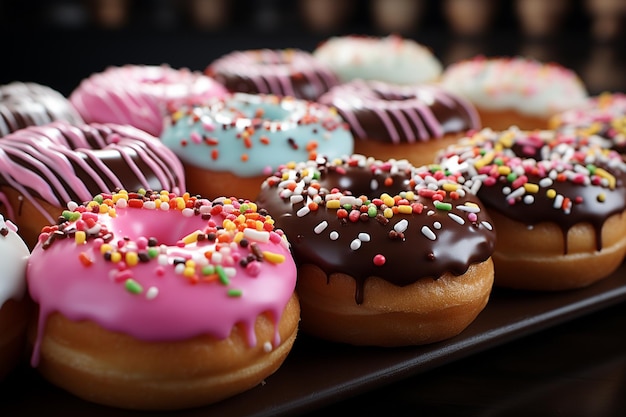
pixel 25 104
pixel 387 254
pixel 140 95
pixel 14 304
pixel 603 115
pixel 282 72
pixel 515 91
pixel 401 122
pixel 43 167
pixel 159 301
pixel 391 59
pixel 557 202
pixel 231 145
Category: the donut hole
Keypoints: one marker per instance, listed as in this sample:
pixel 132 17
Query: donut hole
pixel 372 185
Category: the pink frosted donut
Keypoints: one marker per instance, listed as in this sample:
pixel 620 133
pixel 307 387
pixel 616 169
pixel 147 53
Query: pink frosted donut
pixel 282 72
pixel 140 95
pixel 161 301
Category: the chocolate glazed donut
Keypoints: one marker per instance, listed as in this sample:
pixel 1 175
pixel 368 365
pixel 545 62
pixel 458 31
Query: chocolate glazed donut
pixel 373 221
pixel 31 104
pixel 42 168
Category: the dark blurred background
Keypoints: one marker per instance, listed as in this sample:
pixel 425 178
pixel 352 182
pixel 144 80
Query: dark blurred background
pixel 59 42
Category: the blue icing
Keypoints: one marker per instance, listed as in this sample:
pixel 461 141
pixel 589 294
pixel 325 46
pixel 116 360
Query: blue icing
pixel 212 136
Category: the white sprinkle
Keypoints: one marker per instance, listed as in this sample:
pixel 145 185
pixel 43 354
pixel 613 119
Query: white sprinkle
pixel 529 199
pixel 469 209
pixel 164 206
pixel 72 205
pixel 267 347
pixel 487 225
pixel 187 212
pixel 517 193
pixel 303 211
pixel 456 218
pixel 545 182
pixel 152 293
pixel 401 226
pixel 430 213
pixel 373 184
pixel 355 244
pixel 364 237
pixel 334 235
pixel 179 268
pixel 229 271
pixel 216 257
pixel 437 225
pixel 558 201
pixel 150 205
pixel 320 227
pixel 506 190
pixel 428 233
pixel 296 199
pixel 256 235
pixel 121 203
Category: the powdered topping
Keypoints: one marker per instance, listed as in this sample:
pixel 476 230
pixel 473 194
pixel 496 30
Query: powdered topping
pixel 141 95
pixel 162 266
pixel 365 217
pixel 392 59
pixel 400 114
pixel 523 84
pixel 282 72
pixel 13 257
pixel 542 176
pixel 252 134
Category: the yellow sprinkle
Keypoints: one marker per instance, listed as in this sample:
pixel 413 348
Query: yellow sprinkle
pixel 189 272
pixel 387 200
pixel 388 213
pixel 190 263
pixel 105 248
pixel 470 204
pixel 228 201
pixel 291 165
pixel 285 176
pixel 333 204
pixel 259 225
pixel 180 203
pixel 191 237
pixel 275 258
pixel 531 188
pixel 238 237
pixel 504 170
pixel 116 257
pixel 448 186
pixel 103 208
pixel 486 159
pixel 112 212
pixel 404 209
pixel 506 139
pixel 604 174
pixel 80 237
pixel 240 219
pixel 252 206
pixel 229 225
pixel 410 195
pixel 132 258
pixel 601 197
pixel 551 193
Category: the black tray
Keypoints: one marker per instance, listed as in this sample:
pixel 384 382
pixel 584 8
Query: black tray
pixel 318 373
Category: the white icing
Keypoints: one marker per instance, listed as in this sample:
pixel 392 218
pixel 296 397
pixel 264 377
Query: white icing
pixel 14 255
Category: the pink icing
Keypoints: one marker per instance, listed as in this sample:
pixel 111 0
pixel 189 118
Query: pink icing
pixel 59 162
pixel 154 300
pixel 141 95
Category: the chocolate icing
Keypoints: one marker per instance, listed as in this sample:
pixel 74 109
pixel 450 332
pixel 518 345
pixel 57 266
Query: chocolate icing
pixel 391 113
pixel 31 104
pixel 289 72
pixel 410 255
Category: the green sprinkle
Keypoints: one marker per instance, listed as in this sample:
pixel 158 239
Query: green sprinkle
pixel 443 206
pixel 98 199
pixel 317 175
pixel 498 161
pixel 347 206
pixel 222 274
pixel 511 177
pixel 243 208
pixel 70 215
pixel 133 286
pixel 234 292
pixel 153 252
pixel 208 270
pixel 372 211
pixel 591 168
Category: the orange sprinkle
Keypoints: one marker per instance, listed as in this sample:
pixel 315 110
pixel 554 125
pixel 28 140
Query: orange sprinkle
pixel 264 140
pixel 85 259
pixel 388 182
pixel 244 157
pixel 214 154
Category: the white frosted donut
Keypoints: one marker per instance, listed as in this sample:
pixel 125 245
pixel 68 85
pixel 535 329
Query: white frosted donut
pixel 14 307
pixel 391 59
